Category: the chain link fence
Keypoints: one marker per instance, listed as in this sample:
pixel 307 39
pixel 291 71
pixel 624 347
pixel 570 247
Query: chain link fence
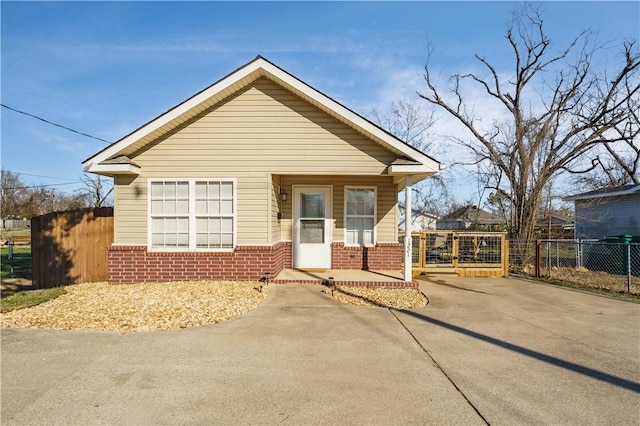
pixel 604 265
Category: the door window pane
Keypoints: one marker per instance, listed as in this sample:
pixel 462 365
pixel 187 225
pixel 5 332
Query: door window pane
pixel 312 205
pixel 311 231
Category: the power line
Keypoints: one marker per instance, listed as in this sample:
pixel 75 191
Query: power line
pixel 54 124
pixel 41 176
pixel 41 186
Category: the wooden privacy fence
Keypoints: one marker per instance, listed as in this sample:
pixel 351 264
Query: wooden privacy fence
pixel 468 254
pixel 70 247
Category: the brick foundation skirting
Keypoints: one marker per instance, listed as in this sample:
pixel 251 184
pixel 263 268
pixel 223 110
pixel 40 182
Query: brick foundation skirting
pixel 381 257
pixel 134 264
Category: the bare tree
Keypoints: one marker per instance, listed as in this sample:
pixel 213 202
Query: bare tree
pixel 11 192
pixel 558 110
pixel 411 122
pixel 618 162
pixel 96 190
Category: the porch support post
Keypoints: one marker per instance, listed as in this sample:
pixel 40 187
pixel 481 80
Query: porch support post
pixel 408 181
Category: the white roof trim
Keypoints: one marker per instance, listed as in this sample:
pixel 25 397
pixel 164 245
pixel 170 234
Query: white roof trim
pixel 627 191
pixel 262 67
pixel 115 169
pixel 409 169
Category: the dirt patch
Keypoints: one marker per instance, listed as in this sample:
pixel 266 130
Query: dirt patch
pixel 381 297
pixel 141 307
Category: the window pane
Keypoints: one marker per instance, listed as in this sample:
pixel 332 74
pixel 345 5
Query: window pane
pixel 214 225
pixel 201 190
pixel 183 240
pixel 201 225
pixel 171 240
pixel 214 190
pixel 351 207
pixel 170 226
pixel 169 207
pixel 214 207
pixel 226 225
pixel 183 225
pixel 367 237
pixel 226 190
pixel 182 207
pixel 369 201
pixel 157 225
pixel 214 240
pixel 156 190
pixel 226 207
pixel 227 240
pixel 157 240
pixel 312 231
pixel 182 190
pixel 169 190
pixel 202 240
pixel 312 205
pixel 367 224
pixel 201 207
pixel 156 207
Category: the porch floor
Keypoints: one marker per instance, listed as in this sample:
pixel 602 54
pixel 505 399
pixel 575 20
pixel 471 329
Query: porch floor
pixel 345 277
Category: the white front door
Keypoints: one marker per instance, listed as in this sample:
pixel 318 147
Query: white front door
pixel 312 226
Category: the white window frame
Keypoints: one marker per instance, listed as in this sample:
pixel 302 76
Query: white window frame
pixel 192 215
pixel 374 217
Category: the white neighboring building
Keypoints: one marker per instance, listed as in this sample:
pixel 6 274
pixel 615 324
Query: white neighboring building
pixel 420 222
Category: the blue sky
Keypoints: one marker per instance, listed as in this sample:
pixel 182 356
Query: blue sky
pixel 105 68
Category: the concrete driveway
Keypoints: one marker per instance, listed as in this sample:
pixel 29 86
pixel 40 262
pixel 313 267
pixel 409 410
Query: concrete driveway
pixel 499 351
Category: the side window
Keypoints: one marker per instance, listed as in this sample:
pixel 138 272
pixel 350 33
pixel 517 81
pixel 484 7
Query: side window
pixel 192 214
pixel 360 216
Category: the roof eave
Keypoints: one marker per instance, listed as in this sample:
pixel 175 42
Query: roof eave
pixel 113 169
pixel 603 195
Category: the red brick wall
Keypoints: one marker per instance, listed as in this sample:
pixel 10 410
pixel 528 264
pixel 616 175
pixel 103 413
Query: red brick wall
pixel 133 264
pixel 384 256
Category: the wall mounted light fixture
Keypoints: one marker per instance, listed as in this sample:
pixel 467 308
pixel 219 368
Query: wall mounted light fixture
pixel 283 194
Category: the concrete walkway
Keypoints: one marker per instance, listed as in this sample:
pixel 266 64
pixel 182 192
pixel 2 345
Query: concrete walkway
pixel 501 351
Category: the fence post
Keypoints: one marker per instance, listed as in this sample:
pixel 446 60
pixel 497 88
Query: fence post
pixel 628 268
pixel 579 255
pixel 538 258
pixel 548 259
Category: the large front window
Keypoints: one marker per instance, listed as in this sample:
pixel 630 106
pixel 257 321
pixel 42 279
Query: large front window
pixel 192 214
pixel 360 216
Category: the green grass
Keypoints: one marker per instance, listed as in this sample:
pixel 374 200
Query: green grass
pixel 24 299
pixel 21 263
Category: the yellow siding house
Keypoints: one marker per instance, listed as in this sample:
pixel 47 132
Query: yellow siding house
pixel 257 173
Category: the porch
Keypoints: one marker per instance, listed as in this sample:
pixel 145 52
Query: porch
pixel 345 277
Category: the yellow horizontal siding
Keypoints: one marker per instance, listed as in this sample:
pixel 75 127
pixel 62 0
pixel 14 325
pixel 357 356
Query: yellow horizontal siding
pixel 261 130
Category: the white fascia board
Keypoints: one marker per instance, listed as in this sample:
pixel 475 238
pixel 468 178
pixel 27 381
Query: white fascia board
pixel 603 195
pixel 395 169
pixel 113 169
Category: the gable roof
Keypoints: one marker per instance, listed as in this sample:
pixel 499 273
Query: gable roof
pixel 605 192
pixel 114 158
